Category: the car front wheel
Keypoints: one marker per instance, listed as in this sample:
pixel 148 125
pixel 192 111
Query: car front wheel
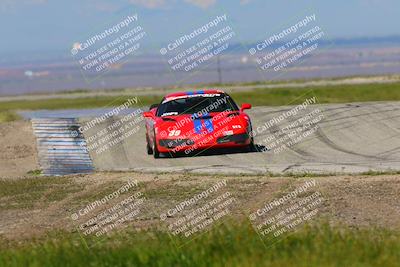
pixel 148 147
pixel 156 153
pixel 252 146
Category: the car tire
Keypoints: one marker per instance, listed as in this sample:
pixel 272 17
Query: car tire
pixel 148 147
pixel 251 147
pixel 156 153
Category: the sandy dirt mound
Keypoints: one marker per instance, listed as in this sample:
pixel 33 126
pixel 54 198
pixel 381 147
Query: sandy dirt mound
pixel 17 149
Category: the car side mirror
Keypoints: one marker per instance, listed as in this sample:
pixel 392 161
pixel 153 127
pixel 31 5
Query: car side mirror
pixel 153 106
pixel 148 114
pixel 245 106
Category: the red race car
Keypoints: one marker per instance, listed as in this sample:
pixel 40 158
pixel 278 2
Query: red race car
pixel 193 121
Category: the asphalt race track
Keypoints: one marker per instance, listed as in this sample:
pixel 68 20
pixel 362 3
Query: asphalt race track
pixel 347 138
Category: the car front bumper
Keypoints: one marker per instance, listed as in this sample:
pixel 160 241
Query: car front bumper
pixel 188 145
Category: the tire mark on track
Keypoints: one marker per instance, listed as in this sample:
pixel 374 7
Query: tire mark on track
pixel 325 139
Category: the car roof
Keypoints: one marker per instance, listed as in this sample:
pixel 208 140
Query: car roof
pixel 197 92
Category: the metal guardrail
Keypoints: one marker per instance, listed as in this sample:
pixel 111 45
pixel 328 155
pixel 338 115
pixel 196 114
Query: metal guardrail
pixel 61 147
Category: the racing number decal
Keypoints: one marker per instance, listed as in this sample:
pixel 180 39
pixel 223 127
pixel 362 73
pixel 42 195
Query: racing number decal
pixel 174 133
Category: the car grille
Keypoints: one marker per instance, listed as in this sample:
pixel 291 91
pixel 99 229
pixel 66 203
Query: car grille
pixel 237 138
pixel 171 143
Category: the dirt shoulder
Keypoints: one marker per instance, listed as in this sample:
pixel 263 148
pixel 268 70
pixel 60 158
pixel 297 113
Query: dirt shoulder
pixel 356 201
pixel 18 153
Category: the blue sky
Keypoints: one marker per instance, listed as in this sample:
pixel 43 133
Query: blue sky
pixel 53 25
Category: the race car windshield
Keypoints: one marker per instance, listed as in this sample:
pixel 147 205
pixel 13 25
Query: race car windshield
pixel 197 104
